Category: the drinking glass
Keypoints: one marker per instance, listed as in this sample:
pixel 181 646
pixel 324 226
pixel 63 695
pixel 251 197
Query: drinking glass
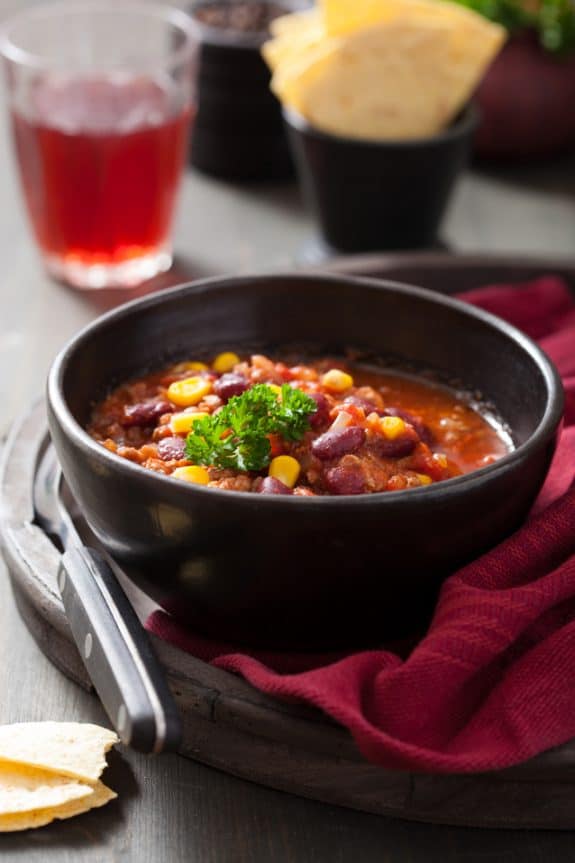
pixel 101 95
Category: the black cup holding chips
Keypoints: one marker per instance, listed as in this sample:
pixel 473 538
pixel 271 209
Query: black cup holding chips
pixel 379 195
pixel 238 133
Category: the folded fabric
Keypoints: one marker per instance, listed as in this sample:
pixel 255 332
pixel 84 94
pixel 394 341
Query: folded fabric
pixel 492 683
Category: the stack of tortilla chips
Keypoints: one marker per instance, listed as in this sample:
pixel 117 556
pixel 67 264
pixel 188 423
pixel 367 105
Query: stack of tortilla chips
pixel 51 770
pixel 380 69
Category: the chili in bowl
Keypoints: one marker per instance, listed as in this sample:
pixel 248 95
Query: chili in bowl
pixel 327 562
pixel 323 427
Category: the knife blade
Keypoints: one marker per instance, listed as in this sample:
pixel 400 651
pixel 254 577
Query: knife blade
pixel 112 643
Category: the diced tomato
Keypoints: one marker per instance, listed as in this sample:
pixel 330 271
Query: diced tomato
pixel 285 373
pixel 277 446
pixel 422 461
pixel 356 413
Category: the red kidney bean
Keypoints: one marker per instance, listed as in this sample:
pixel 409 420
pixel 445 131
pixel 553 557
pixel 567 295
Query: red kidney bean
pixel 424 433
pixel 360 402
pixel 397 448
pixel 344 480
pixel 172 448
pixel 333 444
pixel 321 416
pixel 271 485
pixel 229 385
pixel 145 413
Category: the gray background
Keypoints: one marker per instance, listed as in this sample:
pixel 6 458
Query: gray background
pixel 171 809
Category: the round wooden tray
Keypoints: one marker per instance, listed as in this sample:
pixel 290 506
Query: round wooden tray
pixel 450 274
pixel 230 725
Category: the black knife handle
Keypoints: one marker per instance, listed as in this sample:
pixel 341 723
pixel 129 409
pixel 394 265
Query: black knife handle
pixel 117 653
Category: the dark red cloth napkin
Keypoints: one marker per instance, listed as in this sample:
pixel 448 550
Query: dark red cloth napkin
pixel 493 681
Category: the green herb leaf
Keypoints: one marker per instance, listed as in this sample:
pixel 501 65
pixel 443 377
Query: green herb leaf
pixel 292 413
pixel 236 437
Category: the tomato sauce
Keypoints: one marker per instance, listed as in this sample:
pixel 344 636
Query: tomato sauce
pixel 370 430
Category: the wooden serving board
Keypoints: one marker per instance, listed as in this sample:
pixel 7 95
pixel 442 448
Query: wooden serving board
pixel 230 725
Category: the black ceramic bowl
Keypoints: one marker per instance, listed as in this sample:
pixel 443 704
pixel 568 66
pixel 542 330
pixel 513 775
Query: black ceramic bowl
pixel 373 195
pixel 287 571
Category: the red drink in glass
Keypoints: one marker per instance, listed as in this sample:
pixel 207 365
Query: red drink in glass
pixel 102 95
pixel 100 164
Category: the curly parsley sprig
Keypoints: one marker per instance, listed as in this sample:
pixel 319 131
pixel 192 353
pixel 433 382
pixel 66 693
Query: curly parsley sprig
pixel 236 437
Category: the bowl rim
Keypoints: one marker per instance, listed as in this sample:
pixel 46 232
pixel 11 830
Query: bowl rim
pixel 465 123
pixel 546 427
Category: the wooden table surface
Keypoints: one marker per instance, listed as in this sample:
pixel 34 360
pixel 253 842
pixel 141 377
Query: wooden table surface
pixel 171 809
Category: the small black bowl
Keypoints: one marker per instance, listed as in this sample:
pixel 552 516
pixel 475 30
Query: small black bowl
pixel 290 571
pixel 238 132
pixel 379 195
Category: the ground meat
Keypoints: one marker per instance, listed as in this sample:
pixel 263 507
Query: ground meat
pixel 240 482
pixel 375 472
pixel 131 453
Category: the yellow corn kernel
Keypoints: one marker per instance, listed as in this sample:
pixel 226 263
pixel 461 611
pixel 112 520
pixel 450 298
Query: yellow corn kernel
pixel 392 427
pixel 286 469
pixel 182 423
pixel 441 459
pixel 190 367
pixel 423 478
pixel 275 389
pixel 225 362
pixel 193 473
pixel 189 392
pixel 336 381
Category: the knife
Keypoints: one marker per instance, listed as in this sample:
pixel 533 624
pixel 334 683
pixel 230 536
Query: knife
pixel 112 643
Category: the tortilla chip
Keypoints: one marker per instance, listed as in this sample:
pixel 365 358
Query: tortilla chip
pixel 286 49
pixel 23 789
pixel 99 795
pixel 298 35
pixel 292 77
pixel 474 42
pixel 402 79
pixel 381 69
pixel 341 17
pixel 380 83
pixel 72 749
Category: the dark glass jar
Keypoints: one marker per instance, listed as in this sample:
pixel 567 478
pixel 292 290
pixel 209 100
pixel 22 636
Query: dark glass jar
pixel 238 133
